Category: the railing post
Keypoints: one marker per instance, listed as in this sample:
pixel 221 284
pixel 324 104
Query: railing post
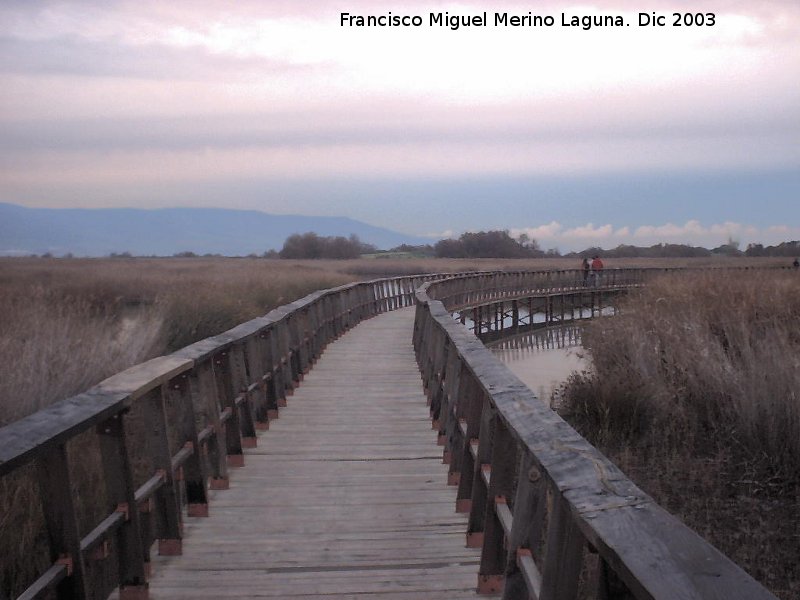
pixel 284 354
pixel 256 371
pixel 480 433
pixel 314 333
pixel 515 314
pixel 166 504
pixel 233 438
pixel 195 476
pixel 238 388
pixel 491 575
pixel 276 390
pixel 564 553
pixel 120 491
pixel 523 578
pixel 293 346
pixel 62 524
pixel 203 388
pixel 436 372
pixel 468 414
pixel 447 421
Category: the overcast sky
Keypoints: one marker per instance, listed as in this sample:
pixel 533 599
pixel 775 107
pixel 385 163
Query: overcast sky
pixel 607 136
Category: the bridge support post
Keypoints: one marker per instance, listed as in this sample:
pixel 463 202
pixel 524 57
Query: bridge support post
pixel 284 357
pixel 207 397
pixel 233 439
pixel 564 553
pixel 254 359
pixel 274 382
pixel 481 471
pixel 526 530
pixel 166 504
pixel 449 396
pixel 470 411
pixel 503 452
pixel 239 379
pixel 184 397
pixel 435 380
pixel 62 523
pixel 120 491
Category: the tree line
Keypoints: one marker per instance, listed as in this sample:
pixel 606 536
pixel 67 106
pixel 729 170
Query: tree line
pixel 501 244
pixel 311 245
pixel 492 244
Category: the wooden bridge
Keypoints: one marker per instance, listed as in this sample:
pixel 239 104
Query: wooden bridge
pixel 233 469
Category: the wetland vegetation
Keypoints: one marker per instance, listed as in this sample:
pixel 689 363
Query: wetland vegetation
pixel 69 323
pixel 694 391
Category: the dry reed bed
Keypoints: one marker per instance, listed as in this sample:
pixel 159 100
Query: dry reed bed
pixel 694 391
pixel 69 323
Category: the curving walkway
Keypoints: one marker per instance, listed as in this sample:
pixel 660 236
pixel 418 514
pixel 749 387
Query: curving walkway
pixel 345 496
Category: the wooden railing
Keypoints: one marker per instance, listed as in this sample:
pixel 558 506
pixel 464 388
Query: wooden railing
pixel 495 305
pixel 553 516
pixel 166 430
pixel 475 289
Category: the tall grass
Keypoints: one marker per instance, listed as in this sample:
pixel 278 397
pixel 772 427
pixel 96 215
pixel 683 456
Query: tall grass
pixel 695 391
pixel 66 325
pixel 51 349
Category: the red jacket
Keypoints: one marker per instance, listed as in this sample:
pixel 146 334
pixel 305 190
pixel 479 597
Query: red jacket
pixel 597 265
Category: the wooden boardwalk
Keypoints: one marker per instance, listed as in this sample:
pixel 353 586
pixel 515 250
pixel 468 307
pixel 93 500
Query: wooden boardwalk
pixel 345 496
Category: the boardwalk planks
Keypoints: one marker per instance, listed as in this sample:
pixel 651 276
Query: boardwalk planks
pixel 345 496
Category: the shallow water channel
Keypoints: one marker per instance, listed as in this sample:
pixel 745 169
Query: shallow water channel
pixel 543 359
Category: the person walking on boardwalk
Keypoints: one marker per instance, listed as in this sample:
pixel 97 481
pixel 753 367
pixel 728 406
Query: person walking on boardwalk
pixel 586 268
pixel 796 263
pixel 597 270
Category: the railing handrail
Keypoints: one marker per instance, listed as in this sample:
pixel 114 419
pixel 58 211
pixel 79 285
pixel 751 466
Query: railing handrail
pixel 542 500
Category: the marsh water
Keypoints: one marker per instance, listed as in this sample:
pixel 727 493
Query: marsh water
pixel 543 359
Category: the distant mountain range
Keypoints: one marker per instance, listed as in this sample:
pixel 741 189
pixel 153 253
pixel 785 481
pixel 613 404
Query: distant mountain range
pixel 163 232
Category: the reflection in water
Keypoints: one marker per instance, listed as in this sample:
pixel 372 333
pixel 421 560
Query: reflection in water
pixel 539 317
pixel 543 359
